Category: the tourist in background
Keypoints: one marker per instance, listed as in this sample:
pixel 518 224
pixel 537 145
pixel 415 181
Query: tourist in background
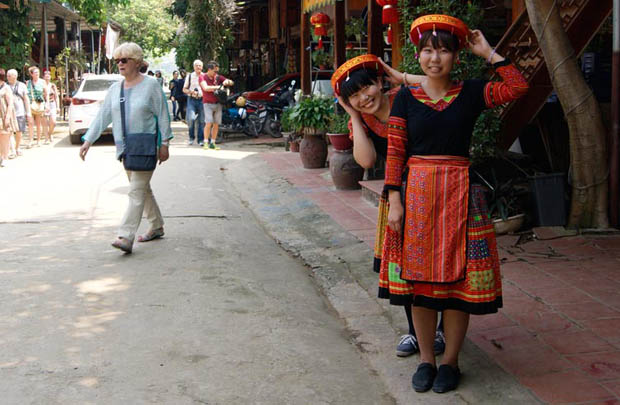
pixel 8 122
pixel 53 105
pixel 22 109
pixel 37 92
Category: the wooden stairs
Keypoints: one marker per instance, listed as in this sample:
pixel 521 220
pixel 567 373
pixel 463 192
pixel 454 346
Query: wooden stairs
pixel 581 19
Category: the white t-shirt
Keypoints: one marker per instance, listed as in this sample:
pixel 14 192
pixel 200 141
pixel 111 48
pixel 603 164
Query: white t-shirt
pixel 192 78
pixel 19 90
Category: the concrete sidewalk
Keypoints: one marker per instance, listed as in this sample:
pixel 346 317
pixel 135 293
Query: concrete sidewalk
pixel 557 339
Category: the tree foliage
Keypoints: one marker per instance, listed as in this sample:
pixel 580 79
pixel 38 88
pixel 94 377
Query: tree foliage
pixel 206 31
pixel 144 23
pixel 94 11
pixel 16 36
pixel 486 131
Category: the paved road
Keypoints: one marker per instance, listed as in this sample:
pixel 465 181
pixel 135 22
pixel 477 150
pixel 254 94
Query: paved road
pixel 215 313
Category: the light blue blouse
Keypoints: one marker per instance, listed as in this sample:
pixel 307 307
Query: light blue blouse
pixel 148 113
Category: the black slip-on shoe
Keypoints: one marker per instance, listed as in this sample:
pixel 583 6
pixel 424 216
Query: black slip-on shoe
pixel 447 379
pixel 423 377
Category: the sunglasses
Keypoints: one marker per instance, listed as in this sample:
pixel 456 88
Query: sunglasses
pixel 122 60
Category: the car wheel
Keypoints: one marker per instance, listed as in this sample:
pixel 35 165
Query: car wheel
pixel 75 139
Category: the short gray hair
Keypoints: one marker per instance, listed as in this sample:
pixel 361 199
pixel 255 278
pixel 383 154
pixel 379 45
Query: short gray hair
pixel 11 72
pixel 197 62
pixel 129 50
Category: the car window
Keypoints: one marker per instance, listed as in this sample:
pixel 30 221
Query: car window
pixel 264 87
pixel 98 84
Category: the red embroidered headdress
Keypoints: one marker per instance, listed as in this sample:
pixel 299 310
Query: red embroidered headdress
pixel 341 74
pixel 438 22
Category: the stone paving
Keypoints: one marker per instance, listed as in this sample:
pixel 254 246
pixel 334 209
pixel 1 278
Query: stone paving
pixel 559 330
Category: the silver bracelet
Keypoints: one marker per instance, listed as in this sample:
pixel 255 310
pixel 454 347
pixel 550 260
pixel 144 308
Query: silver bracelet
pixel 491 56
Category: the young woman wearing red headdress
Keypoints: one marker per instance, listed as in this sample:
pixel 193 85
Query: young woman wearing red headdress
pixel 358 83
pixel 449 253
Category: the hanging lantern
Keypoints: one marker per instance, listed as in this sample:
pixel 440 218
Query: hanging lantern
pixel 320 44
pixel 390 11
pixel 390 36
pixel 319 20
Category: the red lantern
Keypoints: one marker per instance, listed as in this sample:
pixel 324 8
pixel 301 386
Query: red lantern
pixel 319 20
pixel 390 36
pixel 390 11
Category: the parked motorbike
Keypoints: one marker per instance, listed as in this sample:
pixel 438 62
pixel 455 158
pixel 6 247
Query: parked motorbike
pixel 241 115
pixel 284 99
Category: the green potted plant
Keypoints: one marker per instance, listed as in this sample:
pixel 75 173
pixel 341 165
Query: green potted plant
pixel 321 59
pixel 338 132
pixel 311 117
pixel 288 131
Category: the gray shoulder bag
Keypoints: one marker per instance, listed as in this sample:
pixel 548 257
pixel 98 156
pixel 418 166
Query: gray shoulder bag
pixel 140 154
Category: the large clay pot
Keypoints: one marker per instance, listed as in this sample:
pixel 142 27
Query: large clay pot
pixel 346 173
pixel 313 151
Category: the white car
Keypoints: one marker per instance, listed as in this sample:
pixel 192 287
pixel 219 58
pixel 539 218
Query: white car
pixel 86 102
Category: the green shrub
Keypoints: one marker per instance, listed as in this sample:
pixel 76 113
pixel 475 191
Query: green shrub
pixel 285 121
pixel 312 112
pixel 339 124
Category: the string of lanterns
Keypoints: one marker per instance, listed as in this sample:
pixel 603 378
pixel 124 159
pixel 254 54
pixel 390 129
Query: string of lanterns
pixel 389 16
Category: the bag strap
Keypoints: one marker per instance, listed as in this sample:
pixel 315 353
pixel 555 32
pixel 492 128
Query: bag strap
pixel 31 89
pixel 122 101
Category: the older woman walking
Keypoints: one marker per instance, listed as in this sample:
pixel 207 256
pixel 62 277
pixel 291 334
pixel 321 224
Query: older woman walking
pixel 8 122
pixel 144 101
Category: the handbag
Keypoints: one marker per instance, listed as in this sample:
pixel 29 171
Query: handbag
pixel 222 95
pixel 140 154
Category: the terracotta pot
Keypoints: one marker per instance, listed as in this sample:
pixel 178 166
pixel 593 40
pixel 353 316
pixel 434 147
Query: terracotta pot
pixel 346 173
pixel 294 146
pixel 340 141
pixel 313 151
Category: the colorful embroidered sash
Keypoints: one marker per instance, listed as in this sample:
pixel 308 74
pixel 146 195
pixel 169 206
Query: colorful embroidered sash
pixel 435 227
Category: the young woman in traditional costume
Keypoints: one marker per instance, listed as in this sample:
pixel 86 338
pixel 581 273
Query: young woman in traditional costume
pixel 449 252
pixel 358 83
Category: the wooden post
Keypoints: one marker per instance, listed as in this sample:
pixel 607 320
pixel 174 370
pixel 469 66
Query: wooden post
pixel 99 52
pixel 47 49
pixel 375 29
pixel 305 53
pixel 397 44
pixel 517 8
pixel 339 39
pixel 614 171
pixel 92 51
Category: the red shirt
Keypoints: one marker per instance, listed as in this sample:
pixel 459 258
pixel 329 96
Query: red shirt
pixel 207 96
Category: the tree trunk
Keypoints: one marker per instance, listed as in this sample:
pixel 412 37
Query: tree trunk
pixel 588 157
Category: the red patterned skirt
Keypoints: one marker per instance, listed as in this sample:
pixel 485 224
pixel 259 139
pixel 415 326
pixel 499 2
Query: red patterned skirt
pixel 449 251
pixel 388 255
